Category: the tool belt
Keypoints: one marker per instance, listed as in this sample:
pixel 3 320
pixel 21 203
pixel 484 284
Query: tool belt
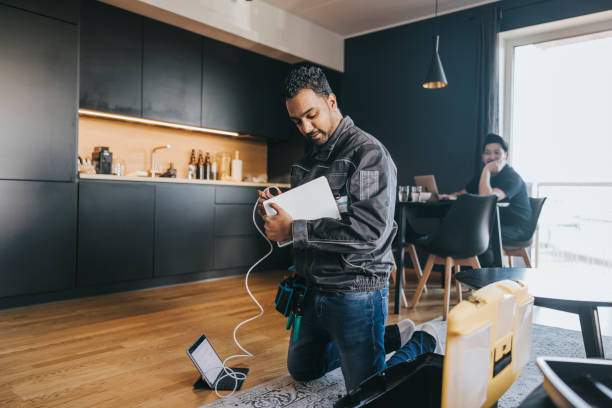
pixel 289 300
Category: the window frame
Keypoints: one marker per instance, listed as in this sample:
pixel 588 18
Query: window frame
pixel 557 30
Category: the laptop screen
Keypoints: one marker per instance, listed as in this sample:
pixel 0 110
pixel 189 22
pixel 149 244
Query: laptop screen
pixel 207 361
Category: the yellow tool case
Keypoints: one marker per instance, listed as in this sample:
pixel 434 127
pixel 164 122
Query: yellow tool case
pixel 488 341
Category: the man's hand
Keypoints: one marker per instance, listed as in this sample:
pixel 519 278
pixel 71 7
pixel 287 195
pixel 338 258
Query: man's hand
pixel 263 196
pixel 278 227
pixel 446 196
pixel 495 166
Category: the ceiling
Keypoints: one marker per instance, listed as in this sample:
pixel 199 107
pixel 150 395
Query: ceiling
pixel 354 17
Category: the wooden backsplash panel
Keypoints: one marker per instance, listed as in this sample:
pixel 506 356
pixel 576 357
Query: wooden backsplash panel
pixel 133 142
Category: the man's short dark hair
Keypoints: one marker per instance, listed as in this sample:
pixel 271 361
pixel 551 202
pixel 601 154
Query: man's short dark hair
pixel 493 138
pixel 306 77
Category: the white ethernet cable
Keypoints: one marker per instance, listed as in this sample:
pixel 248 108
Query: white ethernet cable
pixel 228 371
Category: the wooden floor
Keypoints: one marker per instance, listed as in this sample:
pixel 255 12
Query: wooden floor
pixel 128 349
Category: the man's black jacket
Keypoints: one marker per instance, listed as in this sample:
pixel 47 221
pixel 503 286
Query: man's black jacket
pixel 352 254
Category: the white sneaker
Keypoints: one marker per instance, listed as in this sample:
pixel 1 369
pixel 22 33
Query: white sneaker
pixel 431 330
pixel 406 329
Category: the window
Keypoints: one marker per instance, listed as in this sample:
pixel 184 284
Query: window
pixel 557 115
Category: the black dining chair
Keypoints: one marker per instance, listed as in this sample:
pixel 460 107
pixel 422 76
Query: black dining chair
pixel 463 235
pixel 519 248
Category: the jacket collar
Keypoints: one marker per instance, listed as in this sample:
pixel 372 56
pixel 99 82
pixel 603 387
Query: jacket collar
pixel 323 152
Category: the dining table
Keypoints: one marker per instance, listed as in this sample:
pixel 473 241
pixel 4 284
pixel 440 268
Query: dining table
pixel 410 210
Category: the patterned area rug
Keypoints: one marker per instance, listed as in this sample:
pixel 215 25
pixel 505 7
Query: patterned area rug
pixel 286 393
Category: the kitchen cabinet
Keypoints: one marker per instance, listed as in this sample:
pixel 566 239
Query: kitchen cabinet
pixel 270 118
pixel 183 228
pixel 239 251
pixel 242 91
pixel 110 59
pixel 237 243
pixel 172 74
pixel 37 236
pixel 236 195
pixel 234 219
pixel 116 232
pixel 227 100
pixel 67 10
pixel 38 96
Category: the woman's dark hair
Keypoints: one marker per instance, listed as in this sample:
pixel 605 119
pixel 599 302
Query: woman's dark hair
pixel 493 138
pixel 306 77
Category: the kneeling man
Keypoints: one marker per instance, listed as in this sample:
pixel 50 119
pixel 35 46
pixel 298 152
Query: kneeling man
pixel 346 263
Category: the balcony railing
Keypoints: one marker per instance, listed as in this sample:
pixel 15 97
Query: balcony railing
pixel 575 228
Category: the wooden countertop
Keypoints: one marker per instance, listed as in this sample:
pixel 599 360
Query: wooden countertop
pixel 178 180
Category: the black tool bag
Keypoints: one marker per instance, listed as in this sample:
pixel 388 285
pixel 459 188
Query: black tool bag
pixel 290 290
pixel 416 383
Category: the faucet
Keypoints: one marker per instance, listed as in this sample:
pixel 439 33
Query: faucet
pixel 154 158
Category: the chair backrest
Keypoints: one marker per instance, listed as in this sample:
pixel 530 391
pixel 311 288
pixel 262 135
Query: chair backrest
pixel 466 229
pixel 488 341
pixel 536 208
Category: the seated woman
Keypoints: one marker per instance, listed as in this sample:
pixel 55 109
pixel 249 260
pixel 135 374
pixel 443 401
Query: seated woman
pixel 499 178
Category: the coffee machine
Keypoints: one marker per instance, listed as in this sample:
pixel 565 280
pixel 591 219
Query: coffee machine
pixel 102 160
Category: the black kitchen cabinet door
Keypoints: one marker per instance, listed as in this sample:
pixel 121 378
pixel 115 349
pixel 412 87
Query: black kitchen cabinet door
pixel 38 97
pixel 270 118
pixel 183 228
pixel 227 83
pixel 236 195
pixel 37 236
pixel 239 251
pixel 110 59
pixel 67 10
pixel 234 219
pixel 172 74
pixel 116 232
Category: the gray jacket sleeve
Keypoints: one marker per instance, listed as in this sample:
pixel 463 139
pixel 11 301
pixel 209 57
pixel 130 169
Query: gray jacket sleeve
pixel 369 219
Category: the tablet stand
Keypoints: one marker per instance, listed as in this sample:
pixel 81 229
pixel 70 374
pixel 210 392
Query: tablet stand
pixel 226 384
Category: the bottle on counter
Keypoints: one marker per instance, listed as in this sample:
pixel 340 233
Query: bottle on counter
pixel 191 169
pixel 226 164
pixel 213 166
pixel 200 168
pixel 207 167
pixel 237 167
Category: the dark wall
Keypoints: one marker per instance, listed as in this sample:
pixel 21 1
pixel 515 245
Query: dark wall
pixel 282 154
pixel 432 131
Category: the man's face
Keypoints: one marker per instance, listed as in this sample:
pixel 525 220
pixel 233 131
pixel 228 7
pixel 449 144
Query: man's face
pixel 492 152
pixel 312 114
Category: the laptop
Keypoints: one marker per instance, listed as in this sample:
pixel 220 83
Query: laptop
pixel 428 182
pixel 209 364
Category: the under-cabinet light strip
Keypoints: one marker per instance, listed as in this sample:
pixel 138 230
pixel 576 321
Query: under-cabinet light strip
pixel 98 114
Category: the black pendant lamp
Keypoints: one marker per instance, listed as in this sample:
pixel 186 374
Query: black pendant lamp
pixel 435 75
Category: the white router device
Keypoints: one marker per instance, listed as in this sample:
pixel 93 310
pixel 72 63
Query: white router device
pixel 310 201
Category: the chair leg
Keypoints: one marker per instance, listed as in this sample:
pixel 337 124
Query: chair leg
pixel 393 280
pixel 415 261
pixel 448 269
pixel 458 284
pixel 428 267
pixel 510 261
pixel 525 256
pixel 475 263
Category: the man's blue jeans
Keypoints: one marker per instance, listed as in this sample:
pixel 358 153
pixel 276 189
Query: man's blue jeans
pixel 345 329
